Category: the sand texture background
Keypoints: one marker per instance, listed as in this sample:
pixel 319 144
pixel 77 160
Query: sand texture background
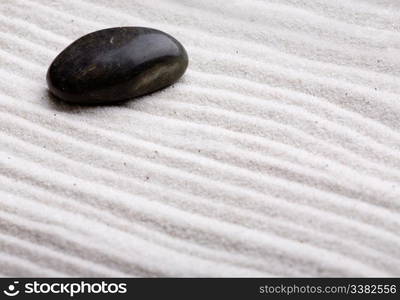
pixel 277 154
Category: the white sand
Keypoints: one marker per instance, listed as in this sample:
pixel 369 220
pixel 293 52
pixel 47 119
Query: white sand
pixel 277 154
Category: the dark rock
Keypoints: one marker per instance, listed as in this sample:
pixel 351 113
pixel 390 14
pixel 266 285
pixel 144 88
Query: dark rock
pixel 116 64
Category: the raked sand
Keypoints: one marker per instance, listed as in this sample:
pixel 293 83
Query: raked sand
pixel 277 154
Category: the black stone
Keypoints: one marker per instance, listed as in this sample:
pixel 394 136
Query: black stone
pixel 116 64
